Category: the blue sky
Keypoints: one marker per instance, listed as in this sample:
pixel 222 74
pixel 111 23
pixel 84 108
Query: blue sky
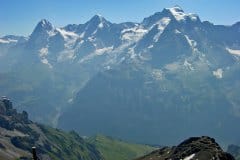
pixel 20 16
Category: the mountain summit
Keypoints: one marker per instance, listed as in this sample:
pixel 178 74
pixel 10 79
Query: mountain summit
pixel 194 148
pixel 44 26
pixel 40 35
pixel 178 13
pixel 98 19
pixel 174 14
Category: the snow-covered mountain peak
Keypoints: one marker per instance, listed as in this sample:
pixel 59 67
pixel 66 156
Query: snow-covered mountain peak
pixel 171 29
pixel 168 13
pixel 175 9
pixel 151 20
pixel 99 16
pixel 45 24
pixel 43 28
pixel 178 13
pixel 93 26
pixel 41 34
pixel 98 20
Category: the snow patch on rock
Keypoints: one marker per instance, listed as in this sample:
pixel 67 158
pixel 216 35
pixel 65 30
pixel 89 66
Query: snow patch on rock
pixel 189 157
pixel 67 34
pixel 233 51
pixel 133 34
pixel 97 52
pixel 43 56
pixel 161 26
pixel 157 74
pixel 179 14
pixel 218 73
pixel 8 41
pixel 192 43
pixel 188 65
pixel 172 66
pixel 45 61
pixel 43 52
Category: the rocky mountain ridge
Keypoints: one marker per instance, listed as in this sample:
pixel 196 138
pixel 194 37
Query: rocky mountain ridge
pixel 194 148
pixel 18 135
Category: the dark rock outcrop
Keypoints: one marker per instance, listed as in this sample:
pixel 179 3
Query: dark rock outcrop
pixel 2 146
pixel 10 118
pixel 201 148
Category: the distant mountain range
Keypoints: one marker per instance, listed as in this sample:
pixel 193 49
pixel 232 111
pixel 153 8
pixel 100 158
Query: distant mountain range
pixel 166 78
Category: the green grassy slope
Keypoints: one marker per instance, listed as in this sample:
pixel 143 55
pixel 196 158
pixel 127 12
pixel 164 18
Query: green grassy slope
pixel 113 149
pixel 69 145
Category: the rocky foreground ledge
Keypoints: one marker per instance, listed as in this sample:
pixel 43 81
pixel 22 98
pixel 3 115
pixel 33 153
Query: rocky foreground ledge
pixel 195 148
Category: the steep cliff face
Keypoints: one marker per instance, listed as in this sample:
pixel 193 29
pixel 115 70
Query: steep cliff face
pixel 195 148
pixel 18 134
